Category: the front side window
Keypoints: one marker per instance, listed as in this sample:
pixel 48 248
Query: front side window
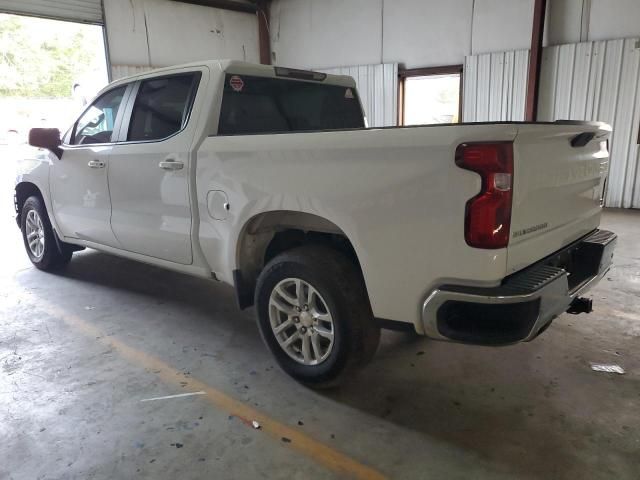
pixel 162 107
pixel 97 122
pixel 268 105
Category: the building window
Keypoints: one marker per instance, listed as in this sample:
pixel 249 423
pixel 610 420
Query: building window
pixel 430 95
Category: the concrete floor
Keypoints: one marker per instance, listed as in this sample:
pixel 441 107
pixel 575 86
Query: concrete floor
pixel 81 349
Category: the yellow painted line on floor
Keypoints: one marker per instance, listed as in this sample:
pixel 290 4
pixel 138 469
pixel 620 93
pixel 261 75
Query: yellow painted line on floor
pixel 319 452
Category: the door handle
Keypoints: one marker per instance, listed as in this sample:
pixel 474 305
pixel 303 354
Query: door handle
pixel 171 165
pixel 96 164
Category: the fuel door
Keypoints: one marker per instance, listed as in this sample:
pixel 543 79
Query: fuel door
pixel 218 204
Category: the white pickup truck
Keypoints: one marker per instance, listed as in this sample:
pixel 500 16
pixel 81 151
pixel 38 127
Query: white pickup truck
pixel 267 179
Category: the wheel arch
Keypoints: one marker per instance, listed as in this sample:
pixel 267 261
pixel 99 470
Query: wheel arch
pixel 24 190
pixel 267 234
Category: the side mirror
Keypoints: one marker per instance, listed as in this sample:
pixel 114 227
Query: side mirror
pixel 48 138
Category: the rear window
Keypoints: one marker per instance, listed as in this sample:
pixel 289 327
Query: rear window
pixel 268 105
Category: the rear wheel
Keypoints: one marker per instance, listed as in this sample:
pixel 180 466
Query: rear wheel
pixel 314 315
pixel 39 240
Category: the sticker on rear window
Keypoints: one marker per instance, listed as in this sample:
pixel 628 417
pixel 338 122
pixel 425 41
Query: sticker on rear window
pixel 236 83
pixel 348 93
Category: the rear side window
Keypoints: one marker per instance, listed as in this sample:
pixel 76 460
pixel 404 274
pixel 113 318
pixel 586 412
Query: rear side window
pixel 268 105
pixel 162 107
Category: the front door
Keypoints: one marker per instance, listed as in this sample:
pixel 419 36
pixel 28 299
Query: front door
pixel 149 169
pixel 78 181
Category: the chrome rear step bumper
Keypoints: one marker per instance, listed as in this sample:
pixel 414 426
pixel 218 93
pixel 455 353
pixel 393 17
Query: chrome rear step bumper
pixel 525 303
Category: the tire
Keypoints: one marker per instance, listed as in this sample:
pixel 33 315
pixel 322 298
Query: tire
pixel 45 254
pixel 339 304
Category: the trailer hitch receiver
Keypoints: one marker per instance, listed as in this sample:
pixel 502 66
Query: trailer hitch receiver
pixel 580 305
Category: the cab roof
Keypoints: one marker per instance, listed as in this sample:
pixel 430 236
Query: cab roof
pixel 246 68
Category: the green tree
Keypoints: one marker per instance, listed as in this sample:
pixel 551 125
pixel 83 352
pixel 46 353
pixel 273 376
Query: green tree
pixel 39 64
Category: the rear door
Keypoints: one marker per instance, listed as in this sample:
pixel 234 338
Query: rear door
pixel 149 168
pixel 559 181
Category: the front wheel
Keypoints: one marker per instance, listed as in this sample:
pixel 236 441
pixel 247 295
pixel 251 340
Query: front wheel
pixel 38 236
pixel 314 315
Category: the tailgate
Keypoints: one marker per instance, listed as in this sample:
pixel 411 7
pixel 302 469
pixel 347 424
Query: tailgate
pixel 559 178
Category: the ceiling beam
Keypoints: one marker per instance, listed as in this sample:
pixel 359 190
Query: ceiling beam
pixel 535 60
pixel 236 6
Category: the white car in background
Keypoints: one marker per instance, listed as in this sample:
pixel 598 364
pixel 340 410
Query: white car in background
pixel 265 178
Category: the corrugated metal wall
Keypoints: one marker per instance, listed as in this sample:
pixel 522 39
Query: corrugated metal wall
pixel 378 89
pixel 600 81
pixel 495 86
pixel 121 71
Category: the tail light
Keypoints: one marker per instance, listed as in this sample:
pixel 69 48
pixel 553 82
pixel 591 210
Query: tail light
pixel 488 214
